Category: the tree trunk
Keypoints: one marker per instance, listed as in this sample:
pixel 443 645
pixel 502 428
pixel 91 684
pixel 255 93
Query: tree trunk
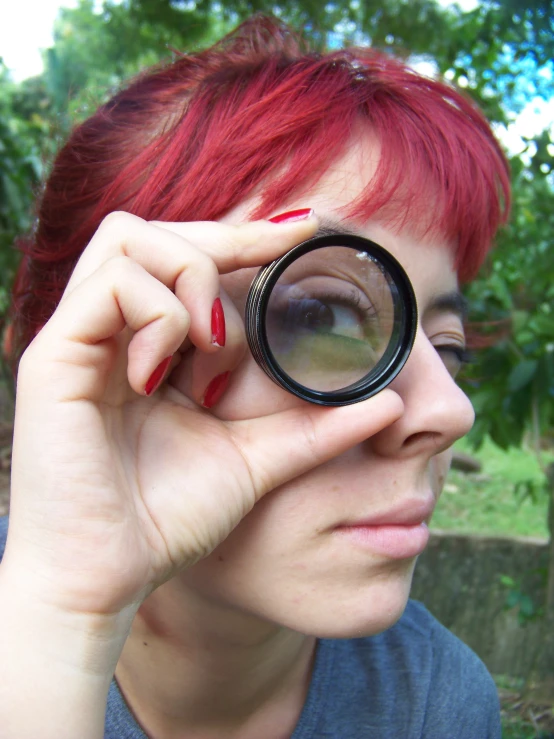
pixel 550 575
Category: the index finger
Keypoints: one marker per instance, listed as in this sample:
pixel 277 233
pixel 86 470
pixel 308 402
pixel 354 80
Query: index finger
pixel 250 244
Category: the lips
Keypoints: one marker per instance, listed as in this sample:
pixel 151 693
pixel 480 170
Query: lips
pixel 398 533
pixel 409 512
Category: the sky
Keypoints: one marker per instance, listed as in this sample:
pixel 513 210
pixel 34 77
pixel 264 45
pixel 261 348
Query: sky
pixel 21 42
pixel 25 29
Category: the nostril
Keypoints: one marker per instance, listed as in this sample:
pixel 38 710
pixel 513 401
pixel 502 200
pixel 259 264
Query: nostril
pixel 427 438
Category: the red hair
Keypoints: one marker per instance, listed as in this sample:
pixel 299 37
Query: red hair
pixel 258 111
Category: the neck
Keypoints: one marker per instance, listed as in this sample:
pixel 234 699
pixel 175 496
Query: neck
pixel 193 668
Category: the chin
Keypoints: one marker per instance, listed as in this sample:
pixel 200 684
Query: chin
pixel 352 613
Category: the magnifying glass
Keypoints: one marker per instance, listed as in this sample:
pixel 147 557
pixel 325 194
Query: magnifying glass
pixel 333 321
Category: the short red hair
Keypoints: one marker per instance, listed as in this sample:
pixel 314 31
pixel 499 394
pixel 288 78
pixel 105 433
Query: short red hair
pixel 191 140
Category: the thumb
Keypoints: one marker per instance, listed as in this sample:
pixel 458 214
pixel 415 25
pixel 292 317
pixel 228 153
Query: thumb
pixel 282 446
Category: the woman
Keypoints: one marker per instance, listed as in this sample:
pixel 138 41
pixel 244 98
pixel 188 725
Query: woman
pixel 240 559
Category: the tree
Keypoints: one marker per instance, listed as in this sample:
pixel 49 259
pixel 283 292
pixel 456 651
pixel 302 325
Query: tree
pixel 20 173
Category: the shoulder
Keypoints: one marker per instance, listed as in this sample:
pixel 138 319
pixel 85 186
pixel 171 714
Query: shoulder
pixel 448 655
pixel 3 534
pixel 417 638
pixel 462 692
pixel 417 674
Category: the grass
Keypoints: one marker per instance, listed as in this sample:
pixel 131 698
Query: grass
pixel 486 502
pixel 521 719
pixel 517 728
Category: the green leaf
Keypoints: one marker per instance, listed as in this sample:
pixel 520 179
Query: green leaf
pixel 522 374
pixel 508 581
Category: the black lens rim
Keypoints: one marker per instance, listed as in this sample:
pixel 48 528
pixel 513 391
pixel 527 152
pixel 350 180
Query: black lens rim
pixel 369 385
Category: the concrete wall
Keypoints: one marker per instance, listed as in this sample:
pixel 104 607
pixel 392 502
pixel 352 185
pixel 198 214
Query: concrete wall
pixel 458 579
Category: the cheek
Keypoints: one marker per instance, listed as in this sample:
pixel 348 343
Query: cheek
pixel 279 565
pixel 285 538
pixel 271 551
pixel 282 524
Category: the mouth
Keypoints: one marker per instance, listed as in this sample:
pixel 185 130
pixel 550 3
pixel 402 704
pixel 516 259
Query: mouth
pixel 400 532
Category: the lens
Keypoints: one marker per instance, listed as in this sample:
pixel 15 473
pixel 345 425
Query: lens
pixel 330 318
pixel 332 321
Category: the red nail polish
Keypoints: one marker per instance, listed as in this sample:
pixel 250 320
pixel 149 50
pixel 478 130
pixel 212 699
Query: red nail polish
pixel 156 378
pixel 301 214
pixel 215 389
pixel 218 323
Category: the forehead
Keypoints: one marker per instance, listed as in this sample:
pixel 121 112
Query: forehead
pixel 427 259
pixel 348 177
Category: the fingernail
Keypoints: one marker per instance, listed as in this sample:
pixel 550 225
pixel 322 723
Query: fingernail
pixel 218 323
pixel 215 389
pixel 301 214
pixel 156 378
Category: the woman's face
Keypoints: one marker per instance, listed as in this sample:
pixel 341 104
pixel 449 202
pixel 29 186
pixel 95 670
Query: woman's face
pixel 303 557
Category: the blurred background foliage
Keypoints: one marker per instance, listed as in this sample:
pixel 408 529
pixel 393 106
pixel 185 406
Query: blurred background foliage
pixel 501 53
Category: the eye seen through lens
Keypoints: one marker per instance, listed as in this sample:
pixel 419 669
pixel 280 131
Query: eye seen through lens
pixel 330 318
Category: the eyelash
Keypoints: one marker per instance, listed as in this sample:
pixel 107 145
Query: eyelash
pixel 347 301
pixel 463 355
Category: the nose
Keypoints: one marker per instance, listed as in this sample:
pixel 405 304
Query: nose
pixel 436 410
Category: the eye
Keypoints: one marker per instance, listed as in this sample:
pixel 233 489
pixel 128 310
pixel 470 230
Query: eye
pixel 334 314
pixel 335 330
pixel 454 357
pixel 339 313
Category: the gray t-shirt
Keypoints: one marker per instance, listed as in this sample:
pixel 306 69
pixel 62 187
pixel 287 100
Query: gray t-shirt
pixel 414 681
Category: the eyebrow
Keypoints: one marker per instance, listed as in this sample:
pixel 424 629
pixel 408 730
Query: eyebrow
pixel 332 227
pixel 450 302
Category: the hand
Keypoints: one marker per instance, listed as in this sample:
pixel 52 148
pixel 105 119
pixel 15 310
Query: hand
pixel 113 492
